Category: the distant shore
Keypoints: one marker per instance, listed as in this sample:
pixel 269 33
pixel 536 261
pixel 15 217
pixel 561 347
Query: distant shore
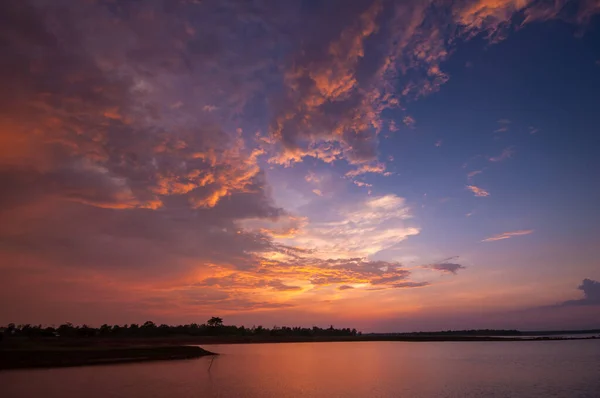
pixel 415 339
pixel 184 340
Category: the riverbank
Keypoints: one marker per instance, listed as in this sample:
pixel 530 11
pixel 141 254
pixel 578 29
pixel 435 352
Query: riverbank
pixel 44 357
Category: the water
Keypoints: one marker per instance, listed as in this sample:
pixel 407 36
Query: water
pixel 540 369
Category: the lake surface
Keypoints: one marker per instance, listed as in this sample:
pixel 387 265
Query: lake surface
pixel 537 369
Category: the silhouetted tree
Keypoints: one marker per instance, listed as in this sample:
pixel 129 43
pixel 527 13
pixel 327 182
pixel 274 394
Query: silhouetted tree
pixel 215 321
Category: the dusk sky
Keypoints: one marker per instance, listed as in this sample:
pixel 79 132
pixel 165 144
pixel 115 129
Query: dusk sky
pixel 384 165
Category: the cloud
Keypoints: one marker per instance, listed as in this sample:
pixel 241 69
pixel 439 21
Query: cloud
pixel 376 56
pixel 282 287
pixel 409 121
pixel 504 126
pixel 313 178
pixel 359 229
pixel 438 143
pixel 506 153
pixel 362 184
pixel 132 161
pixel 294 274
pixel 579 12
pixel 508 235
pixel 591 293
pixel 472 174
pixel 376 168
pixel 479 192
pixel 448 267
pixel 490 16
pixel 325 272
pixel 323 104
pixel 110 165
pixel 405 285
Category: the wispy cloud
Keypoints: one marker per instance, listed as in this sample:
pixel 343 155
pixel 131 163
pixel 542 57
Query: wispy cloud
pixel 480 192
pixel 508 235
pixel 409 284
pixel 438 143
pixel 472 174
pixel 375 168
pixel 504 125
pixel 506 153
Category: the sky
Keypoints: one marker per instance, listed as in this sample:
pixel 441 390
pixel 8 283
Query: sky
pixel 385 165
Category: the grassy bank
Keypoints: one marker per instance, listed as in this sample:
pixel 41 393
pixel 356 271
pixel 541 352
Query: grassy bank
pixel 41 357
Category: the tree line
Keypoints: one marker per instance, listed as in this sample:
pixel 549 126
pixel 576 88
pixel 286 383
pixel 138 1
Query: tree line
pixel 213 327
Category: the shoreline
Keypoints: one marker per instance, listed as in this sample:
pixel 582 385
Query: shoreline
pixel 59 357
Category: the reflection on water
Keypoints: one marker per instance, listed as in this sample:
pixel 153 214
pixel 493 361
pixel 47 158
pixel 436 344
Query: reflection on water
pixel 568 369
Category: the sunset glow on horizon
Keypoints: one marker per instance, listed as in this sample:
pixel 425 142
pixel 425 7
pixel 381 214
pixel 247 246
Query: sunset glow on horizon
pixel 384 165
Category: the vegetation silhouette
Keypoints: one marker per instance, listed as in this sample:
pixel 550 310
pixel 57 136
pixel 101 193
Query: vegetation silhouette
pixel 213 327
pixel 215 322
pixel 214 330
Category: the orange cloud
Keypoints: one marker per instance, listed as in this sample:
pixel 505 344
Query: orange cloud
pixel 313 84
pixel 508 235
pixel 488 15
pixel 337 79
pixel 480 192
pixel 377 168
